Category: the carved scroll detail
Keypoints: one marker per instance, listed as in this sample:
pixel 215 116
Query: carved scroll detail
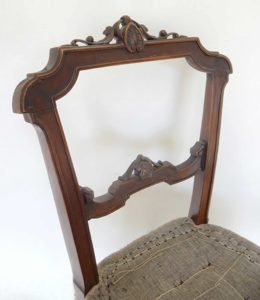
pixel 142 173
pixel 128 31
pixel 142 167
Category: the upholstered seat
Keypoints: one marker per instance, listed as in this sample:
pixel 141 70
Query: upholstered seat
pixel 183 261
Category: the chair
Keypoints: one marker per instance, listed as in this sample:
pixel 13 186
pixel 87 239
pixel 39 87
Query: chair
pixel 184 259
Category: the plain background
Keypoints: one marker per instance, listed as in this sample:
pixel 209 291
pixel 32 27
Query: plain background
pixel 113 114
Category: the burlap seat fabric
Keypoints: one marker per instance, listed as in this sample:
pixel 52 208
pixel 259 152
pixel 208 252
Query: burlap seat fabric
pixel 182 261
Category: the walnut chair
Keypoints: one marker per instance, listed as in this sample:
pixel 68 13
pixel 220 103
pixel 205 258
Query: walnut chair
pixel 184 259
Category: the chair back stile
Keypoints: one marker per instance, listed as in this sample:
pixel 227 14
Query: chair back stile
pixel 36 97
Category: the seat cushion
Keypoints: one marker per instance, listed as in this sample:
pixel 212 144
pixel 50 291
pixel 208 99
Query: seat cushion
pixel 182 261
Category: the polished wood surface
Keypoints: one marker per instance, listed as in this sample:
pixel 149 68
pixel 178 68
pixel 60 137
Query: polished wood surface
pixel 36 97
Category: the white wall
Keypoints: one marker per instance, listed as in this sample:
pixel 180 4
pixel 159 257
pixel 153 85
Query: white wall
pixel 142 113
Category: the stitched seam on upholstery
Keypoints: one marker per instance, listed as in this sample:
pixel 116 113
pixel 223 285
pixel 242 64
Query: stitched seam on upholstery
pixel 230 268
pixel 123 260
pixel 237 292
pixel 222 279
pixel 229 239
pixel 170 290
pixel 208 290
pixel 159 242
pixel 231 248
pixel 207 241
pixel 217 284
pixel 191 229
pixel 155 255
pixel 137 267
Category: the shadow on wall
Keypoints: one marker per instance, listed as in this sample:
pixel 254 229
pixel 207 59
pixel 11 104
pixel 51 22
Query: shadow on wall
pixel 150 108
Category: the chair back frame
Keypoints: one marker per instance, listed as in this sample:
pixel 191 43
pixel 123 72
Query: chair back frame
pixel 36 97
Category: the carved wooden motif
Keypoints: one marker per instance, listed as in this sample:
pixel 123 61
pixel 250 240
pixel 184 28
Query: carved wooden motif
pixel 142 173
pixel 142 166
pixel 128 31
pixel 36 96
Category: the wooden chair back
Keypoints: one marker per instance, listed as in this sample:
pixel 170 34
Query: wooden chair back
pixel 36 97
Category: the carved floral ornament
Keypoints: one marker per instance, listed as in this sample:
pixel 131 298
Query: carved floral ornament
pixel 128 31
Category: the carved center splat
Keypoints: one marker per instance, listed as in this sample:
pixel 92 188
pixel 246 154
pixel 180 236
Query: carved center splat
pixel 128 31
pixel 142 173
pixel 142 166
